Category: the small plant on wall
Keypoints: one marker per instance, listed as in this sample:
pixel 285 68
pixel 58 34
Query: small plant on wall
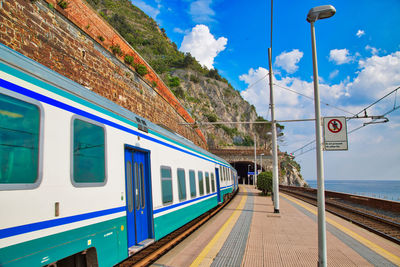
pixel 116 49
pixel 128 59
pixel 141 69
pixel 63 4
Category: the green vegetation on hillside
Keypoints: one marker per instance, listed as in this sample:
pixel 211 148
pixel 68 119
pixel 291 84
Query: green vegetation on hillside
pixel 152 43
pixel 145 36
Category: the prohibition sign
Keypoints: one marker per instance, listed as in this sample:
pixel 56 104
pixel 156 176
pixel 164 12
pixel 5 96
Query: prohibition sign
pixel 334 126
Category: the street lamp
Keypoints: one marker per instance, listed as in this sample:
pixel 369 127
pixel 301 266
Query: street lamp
pixel 316 13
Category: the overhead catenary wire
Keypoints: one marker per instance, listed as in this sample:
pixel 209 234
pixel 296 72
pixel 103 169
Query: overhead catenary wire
pixel 380 99
pixel 294 91
pixel 356 116
pixel 309 97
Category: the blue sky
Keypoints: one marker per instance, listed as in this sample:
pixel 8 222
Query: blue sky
pixel 358 59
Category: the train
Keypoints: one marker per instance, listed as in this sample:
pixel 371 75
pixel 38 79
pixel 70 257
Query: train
pixel 86 182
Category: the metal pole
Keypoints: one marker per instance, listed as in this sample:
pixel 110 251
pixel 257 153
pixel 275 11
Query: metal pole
pixel 322 259
pixel 255 160
pixel 248 176
pixel 275 173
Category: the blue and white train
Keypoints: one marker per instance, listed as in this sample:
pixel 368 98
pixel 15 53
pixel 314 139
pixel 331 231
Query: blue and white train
pixel 85 181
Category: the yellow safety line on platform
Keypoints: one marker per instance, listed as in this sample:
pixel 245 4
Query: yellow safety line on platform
pixel 232 219
pixel 381 251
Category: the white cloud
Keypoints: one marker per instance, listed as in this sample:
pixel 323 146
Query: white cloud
pixel 378 75
pixel 179 30
pixel 340 56
pixel 201 11
pixel 202 45
pixel 373 50
pixel 149 10
pixel 333 74
pixel 288 60
pixel 286 103
pixel 360 33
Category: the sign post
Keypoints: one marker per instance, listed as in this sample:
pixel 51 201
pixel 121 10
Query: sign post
pixel 335 134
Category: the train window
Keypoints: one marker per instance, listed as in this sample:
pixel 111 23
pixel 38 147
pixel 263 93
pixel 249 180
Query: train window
pixel 141 176
pixel 192 181
pixel 129 185
pixel 201 183
pixel 20 124
pixel 181 184
pixel 207 183
pixel 88 157
pixel 212 182
pixel 166 185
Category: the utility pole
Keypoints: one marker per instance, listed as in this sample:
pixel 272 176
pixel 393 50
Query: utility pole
pixel 255 160
pixel 275 174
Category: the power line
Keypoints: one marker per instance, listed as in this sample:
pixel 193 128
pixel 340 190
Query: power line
pixel 306 96
pixel 356 116
pixel 380 99
pixel 262 78
pixel 309 97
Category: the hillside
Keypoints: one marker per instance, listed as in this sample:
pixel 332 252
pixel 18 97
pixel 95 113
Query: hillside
pixel 205 94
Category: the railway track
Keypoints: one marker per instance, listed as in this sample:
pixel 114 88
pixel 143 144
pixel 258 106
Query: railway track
pixel 384 226
pixel 151 253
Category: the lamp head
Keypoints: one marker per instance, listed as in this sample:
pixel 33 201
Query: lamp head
pixel 320 12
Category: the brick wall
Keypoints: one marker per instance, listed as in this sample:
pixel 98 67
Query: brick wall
pixel 67 41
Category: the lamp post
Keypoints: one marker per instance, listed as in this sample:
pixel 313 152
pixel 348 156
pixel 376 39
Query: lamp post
pixel 248 175
pixel 261 161
pixel 316 13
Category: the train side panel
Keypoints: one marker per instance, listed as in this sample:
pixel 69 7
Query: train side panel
pixel 58 216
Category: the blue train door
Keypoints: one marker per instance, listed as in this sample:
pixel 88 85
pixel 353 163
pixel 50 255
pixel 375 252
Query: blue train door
pixel 218 186
pixel 137 196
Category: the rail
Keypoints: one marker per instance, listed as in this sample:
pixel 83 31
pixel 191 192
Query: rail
pixel 384 223
pixel 151 253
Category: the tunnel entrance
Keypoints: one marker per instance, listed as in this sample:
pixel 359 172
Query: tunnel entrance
pixel 242 167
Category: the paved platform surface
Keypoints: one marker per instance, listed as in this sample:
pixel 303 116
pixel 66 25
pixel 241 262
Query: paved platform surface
pixel 248 233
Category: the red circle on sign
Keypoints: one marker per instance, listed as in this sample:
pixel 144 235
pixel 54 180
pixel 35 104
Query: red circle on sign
pixel 334 126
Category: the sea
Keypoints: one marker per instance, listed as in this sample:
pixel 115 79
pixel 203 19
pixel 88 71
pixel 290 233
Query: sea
pixel 389 190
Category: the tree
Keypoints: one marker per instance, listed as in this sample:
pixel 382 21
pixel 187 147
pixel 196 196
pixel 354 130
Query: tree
pixel 264 182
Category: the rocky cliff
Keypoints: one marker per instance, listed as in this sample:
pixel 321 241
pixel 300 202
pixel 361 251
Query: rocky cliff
pixel 206 95
pixel 211 100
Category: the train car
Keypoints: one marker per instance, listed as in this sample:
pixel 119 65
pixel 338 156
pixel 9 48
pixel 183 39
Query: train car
pixel 84 181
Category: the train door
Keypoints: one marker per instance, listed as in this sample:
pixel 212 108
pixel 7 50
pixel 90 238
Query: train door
pixel 218 186
pixel 138 196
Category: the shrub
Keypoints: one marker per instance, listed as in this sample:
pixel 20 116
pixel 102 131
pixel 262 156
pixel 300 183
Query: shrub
pixel 116 49
pixel 178 92
pixel 264 182
pixel 101 38
pixel 174 81
pixel 194 78
pixel 128 59
pixel 211 117
pixel 63 4
pixel 141 69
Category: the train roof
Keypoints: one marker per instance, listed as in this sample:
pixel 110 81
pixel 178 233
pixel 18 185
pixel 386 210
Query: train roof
pixel 33 68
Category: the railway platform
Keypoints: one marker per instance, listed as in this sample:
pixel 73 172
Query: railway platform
pixel 248 233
